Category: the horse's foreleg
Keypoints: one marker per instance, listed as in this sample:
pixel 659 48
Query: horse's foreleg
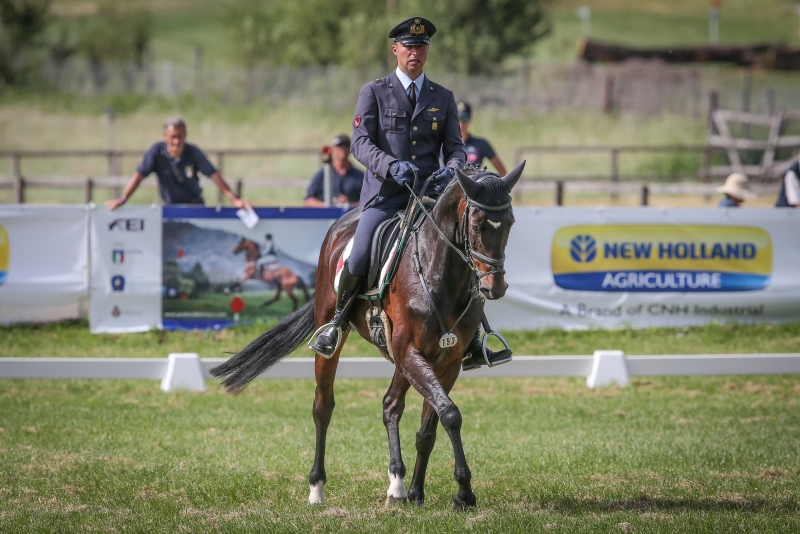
pixel 419 373
pixel 393 404
pixel 275 298
pixel 325 372
pixel 426 438
pixel 290 292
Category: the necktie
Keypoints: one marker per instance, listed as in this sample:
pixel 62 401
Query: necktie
pixel 412 94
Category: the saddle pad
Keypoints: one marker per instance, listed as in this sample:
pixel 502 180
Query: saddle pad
pixel 375 290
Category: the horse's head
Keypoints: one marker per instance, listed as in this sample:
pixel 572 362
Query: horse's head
pixel 240 246
pixel 485 219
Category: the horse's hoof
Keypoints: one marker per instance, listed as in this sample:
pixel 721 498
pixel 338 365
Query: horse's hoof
pixel 460 504
pixel 417 499
pixel 395 501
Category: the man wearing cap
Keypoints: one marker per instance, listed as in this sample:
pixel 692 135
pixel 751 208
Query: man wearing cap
pixel 736 190
pixel 177 164
pixel 401 123
pixel 476 148
pixel 789 197
pixel 346 180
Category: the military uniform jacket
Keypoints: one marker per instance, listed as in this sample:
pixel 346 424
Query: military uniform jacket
pixel 386 129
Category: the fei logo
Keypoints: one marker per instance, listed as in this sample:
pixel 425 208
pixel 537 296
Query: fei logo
pixel 661 258
pixel 4 254
pixel 118 256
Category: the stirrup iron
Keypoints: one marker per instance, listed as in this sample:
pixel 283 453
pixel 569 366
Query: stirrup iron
pixel 312 341
pixel 501 356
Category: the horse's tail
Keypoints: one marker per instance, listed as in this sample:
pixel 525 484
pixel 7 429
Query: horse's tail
pixel 267 350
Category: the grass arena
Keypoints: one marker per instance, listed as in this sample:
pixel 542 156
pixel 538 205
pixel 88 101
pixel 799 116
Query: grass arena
pixel 667 454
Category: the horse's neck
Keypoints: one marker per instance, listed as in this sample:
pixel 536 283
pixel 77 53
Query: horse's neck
pixel 253 253
pixel 443 267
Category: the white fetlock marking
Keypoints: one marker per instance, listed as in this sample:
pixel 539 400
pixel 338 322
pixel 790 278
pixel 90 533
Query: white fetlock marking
pixel 317 493
pixel 397 487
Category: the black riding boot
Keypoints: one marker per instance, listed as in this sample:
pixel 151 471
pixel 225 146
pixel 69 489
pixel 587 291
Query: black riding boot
pixel 473 356
pixel 328 340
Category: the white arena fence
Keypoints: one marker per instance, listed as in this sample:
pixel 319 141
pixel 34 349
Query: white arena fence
pixel 188 371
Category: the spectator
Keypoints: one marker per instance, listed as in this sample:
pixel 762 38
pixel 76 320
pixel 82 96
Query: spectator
pixel 476 148
pixel 789 197
pixel 176 164
pixel 346 180
pixel 736 189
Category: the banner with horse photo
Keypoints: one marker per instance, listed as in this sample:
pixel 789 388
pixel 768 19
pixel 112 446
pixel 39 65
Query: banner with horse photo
pixel 217 272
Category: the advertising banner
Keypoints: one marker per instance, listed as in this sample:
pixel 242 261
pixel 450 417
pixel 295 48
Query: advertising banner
pixel 43 262
pixel 217 271
pixel 126 269
pixel 577 267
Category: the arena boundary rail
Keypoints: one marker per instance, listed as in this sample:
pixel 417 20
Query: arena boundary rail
pixel 604 368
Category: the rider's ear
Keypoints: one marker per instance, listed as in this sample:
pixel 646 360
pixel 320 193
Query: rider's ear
pixel 469 185
pixel 511 178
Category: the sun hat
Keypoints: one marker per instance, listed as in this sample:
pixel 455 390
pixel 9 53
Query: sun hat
pixel 737 185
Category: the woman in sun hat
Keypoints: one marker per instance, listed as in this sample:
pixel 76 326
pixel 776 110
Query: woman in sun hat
pixel 736 189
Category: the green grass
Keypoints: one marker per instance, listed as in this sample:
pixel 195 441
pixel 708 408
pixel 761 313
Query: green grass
pixel 72 339
pixel 711 454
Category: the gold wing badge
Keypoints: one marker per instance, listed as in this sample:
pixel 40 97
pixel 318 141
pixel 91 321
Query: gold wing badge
pixel 433 109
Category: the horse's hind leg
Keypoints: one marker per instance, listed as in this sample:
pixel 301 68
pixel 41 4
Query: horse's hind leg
pixel 290 292
pixel 418 371
pixel 276 298
pixel 393 404
pixel 325 372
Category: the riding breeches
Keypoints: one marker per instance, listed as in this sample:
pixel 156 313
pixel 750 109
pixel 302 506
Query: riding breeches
pixel 371 218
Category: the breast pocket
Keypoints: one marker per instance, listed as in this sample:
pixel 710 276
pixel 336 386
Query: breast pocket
pixel 393 120
pixel 434 120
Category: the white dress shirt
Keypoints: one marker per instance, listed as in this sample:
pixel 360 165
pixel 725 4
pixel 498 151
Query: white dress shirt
pixel 406 81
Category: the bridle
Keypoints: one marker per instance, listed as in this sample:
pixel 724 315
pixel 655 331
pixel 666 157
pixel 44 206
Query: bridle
pixel 497 265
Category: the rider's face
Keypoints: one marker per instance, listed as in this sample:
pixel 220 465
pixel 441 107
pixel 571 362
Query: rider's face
pixel 175 137
pixel 410 58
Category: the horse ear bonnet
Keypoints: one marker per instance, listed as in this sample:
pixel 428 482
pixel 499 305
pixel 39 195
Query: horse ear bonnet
pixel 492 191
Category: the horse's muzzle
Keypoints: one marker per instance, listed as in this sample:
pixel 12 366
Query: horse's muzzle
pixel 493 287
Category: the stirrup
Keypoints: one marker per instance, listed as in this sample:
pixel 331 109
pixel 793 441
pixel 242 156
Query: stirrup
pixel 501 356
pixel 312 341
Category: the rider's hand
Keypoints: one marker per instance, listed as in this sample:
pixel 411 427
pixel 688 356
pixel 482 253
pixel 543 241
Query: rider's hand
pixel 241 203
pixel 402 172
pixel 440 179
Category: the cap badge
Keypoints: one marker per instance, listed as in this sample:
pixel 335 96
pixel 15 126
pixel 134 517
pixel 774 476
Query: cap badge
pixel 417 28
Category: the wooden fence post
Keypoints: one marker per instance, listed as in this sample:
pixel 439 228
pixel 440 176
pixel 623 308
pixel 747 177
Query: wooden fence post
pixel 614 172
pixel 645 194
pixel 559 192
pixel 220 162
pixel 16 175
pixel 239 188
pixel 88 189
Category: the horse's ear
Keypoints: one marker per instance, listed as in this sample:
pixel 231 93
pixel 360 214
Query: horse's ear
pixel 469 185
pixel 511 178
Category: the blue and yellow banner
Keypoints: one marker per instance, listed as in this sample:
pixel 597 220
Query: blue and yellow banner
pixel 661 258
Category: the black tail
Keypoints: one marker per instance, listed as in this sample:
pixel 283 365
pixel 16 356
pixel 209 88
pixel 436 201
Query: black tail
pixel 267 350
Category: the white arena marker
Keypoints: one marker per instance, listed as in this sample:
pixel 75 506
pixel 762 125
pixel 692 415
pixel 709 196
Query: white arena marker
pixel 183 372
pixel 609 367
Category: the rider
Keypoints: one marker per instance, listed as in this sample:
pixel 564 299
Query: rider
pixel 401 123
pixel 268 254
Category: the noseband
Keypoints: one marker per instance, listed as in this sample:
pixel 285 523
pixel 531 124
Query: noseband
pixel 463 237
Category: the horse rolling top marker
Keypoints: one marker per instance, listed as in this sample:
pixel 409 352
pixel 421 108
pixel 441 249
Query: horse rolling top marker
pixel 455 259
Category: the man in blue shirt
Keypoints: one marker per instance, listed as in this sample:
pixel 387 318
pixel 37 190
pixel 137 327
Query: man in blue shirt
pixel 177 165
pixel 476 148
pixel 346 181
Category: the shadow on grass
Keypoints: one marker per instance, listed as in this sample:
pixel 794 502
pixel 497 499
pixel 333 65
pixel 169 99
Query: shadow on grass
pixel 646 503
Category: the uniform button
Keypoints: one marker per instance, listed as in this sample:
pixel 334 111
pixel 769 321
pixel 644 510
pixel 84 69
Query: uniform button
pixel 415 128
pixel 413 142
pixel 394 114
pixel 413 157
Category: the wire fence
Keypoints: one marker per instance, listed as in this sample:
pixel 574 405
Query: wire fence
pixel 640 87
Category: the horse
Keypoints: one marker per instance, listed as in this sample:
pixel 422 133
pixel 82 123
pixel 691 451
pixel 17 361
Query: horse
pixel 279 276
pixel 454 262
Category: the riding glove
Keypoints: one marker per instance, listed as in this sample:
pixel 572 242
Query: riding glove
pixel 440 179
pixel 402 172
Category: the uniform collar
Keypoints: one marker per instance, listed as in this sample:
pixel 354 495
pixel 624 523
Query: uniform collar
pixel 406 81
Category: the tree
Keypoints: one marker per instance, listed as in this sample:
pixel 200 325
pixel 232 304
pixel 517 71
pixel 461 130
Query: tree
pixel 476 36
pixel 22 25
